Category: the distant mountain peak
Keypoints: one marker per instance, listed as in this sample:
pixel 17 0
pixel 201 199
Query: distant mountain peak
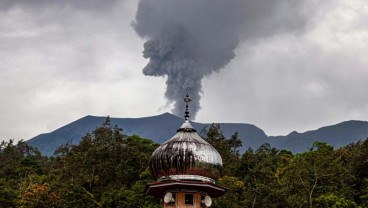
pixel 293 133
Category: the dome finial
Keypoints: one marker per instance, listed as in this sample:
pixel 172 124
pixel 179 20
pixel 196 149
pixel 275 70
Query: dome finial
pixel 187 100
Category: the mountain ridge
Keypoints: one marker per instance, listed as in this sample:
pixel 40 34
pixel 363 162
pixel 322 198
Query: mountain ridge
pixel 161 127
pixel 337 135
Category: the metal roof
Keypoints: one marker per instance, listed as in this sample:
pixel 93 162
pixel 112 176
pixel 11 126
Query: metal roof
pixel 186 154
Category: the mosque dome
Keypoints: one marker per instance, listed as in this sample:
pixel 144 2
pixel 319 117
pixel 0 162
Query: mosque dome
pixel 186 156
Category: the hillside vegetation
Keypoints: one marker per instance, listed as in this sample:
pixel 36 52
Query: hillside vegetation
pixel 108 169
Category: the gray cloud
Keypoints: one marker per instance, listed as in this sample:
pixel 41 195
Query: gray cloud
pixel 188 40
pixel 59 63
pixel 283 71
pixel 297 81
pixel 76 4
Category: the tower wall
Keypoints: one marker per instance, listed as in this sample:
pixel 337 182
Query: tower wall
pixel 181 202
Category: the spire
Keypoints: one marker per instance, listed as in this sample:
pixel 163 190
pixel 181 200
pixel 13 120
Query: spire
pixel 186 127
pixel 187 100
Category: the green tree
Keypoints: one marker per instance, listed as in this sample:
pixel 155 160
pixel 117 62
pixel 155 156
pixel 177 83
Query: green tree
pixel 234 197
pixel 79 197
pixel 8 197
pixel 228 148
pixel 355 159
pixel 105 161
pixel 333 201
pixel 133 196
pixel 313 173
pixel 20 160
pixel 258 171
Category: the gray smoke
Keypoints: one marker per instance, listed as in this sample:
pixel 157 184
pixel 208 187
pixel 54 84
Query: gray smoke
pixel 190 39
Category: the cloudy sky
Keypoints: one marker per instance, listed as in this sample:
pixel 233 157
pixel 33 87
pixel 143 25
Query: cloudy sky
pixel 62 60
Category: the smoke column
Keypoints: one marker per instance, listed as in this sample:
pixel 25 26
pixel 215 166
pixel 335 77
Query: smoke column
pixel 190 39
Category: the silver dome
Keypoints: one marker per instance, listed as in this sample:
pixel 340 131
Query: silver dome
pixel 186 156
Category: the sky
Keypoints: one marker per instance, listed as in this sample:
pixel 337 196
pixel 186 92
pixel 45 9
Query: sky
pixel 63 60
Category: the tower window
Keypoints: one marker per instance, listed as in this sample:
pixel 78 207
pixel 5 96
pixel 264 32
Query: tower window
pixel 188 199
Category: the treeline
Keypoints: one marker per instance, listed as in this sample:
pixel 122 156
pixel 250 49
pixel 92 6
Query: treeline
pixel 108 169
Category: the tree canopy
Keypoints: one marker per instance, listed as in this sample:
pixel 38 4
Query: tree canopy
pixel 110 169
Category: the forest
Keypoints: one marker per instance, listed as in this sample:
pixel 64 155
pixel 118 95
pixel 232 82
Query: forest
pixel 109 169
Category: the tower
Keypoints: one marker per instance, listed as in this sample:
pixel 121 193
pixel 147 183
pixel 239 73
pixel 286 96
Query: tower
pixel 186 167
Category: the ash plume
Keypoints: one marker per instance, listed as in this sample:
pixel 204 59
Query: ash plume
pixel 190 39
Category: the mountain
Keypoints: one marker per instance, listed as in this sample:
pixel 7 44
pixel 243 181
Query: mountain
pixel 158 128
pixel 162 127
pixel 336 135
